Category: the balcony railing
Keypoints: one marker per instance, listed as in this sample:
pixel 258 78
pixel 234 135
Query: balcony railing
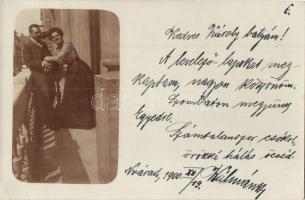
pixel 21 135
pixel 107 128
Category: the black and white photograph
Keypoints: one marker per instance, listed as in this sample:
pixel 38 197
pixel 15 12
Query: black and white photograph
pixel 66 75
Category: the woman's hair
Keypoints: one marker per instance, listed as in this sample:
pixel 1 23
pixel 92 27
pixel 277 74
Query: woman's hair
pixel 55 29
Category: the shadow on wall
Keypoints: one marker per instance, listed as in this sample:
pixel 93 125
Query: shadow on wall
pixel 69 160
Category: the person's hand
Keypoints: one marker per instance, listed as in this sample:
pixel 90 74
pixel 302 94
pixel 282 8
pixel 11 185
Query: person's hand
pixel 48 58
pixel 46 66
pixel 65 67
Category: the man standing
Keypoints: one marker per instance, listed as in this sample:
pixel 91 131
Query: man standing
pixel 42 95
pixel 34 52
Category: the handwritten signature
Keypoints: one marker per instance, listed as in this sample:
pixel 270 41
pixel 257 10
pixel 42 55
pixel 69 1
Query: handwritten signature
pixel 198 174
pixel 222 174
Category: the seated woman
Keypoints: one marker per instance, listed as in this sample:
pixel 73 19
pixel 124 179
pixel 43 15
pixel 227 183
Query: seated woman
pixel 73 108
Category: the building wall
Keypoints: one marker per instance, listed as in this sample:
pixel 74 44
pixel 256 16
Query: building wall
pixel 109 24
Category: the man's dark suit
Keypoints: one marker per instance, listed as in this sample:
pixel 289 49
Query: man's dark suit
pixel 42 83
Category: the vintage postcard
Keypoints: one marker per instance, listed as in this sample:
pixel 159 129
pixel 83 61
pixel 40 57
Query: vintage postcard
pixel 152 100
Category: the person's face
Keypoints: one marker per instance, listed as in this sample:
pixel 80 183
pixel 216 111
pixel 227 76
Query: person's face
pixel 35 33
pixel 56 38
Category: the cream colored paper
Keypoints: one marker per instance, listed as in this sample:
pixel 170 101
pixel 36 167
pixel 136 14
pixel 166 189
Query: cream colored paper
pixel 144 40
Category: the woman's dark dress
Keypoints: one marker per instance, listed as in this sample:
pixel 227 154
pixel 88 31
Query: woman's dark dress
pixel 75 109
